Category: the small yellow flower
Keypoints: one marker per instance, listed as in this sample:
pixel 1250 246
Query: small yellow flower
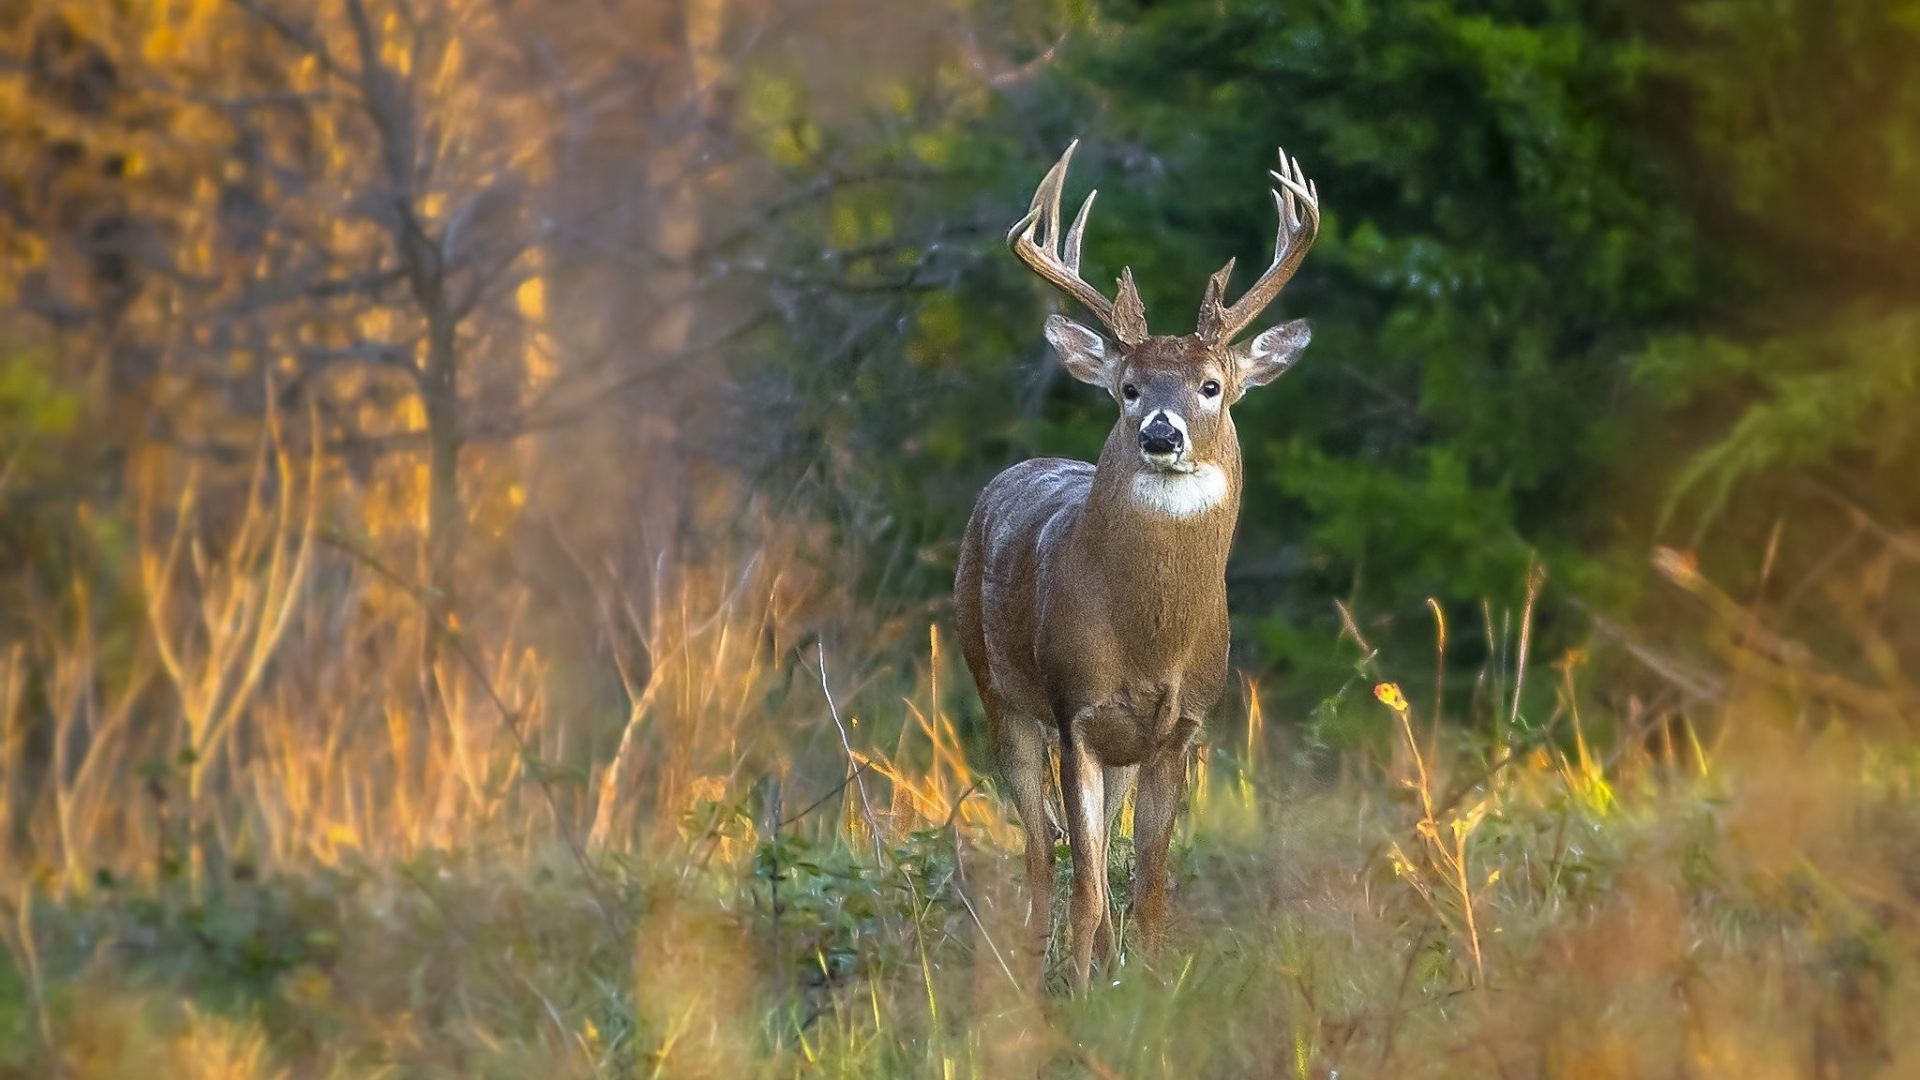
pixel 1390 696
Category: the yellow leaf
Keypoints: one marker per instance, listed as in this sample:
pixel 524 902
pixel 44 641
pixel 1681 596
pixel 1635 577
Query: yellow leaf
pixel 531 297
pixel 161 43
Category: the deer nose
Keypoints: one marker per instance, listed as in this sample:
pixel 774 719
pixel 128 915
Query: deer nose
pixel 1159 436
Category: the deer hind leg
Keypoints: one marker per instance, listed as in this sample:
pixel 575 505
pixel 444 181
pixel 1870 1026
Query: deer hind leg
pixel 1083 784
pixel 1116 782
pixel 1021 747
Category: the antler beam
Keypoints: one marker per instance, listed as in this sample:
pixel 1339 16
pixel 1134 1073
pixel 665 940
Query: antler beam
pixel 1125 316
pixel 1299 209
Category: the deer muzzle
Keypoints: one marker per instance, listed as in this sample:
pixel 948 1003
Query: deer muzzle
pixel 1163 440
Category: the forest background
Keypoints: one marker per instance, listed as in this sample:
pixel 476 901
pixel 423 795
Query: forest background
pixel 450 426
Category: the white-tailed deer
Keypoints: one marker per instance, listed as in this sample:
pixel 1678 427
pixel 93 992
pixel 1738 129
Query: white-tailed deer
pixel 1092 599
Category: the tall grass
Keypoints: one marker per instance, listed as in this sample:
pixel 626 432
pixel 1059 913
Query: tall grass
pixel 747 834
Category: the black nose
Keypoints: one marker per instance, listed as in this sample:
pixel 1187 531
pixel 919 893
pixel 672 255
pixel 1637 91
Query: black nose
pixel 1160 437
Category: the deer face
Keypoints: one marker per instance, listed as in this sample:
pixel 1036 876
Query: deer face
pixel 1174 392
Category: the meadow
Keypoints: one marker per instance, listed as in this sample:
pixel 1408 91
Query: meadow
pixel 787 856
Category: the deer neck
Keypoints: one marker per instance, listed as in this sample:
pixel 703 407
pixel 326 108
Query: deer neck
pixel 1159 533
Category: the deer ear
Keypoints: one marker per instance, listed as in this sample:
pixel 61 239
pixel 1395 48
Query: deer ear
pixel 1087 355
pixel 1272 352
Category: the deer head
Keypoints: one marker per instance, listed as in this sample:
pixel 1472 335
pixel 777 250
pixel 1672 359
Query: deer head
pixel 1173 391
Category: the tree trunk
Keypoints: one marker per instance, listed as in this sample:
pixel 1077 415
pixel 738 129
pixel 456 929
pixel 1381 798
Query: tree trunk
pixel 440 396
pixel 441 393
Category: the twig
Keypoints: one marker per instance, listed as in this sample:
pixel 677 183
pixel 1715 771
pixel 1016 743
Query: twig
pixel 302 37
pixel 960 889
pixel 873 827
pixel 1399 996
pixel 1506 759
pixel 1353 631
pixel 822 800
pixel 1694 685
pixel 853 772
pixel 511 718
pixel 954 811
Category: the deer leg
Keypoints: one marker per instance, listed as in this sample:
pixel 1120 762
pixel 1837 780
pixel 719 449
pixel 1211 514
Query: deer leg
pixel 1117 781
pixel 1022 751
pixel 1083 783
pixel 1163 778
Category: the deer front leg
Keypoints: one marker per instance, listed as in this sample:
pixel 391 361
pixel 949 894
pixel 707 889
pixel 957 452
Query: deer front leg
pixel 1119 781
pixel 1163 778
pixel 1082 785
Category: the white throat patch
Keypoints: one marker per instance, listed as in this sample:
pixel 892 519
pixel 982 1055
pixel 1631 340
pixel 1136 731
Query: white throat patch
pixel 1180 494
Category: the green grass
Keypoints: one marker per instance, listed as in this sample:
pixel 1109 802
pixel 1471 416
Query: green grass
pixel 1757 920
pixel 547 879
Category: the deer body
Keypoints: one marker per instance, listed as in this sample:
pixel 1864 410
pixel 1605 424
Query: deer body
pixel 1080 620
pixel 1091 599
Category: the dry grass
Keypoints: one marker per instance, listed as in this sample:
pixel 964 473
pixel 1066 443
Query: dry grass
pixel 258 844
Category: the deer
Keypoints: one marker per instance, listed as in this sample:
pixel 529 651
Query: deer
pixel 1091 599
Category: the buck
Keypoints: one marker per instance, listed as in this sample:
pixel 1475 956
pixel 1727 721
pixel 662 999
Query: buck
pixel 1092 599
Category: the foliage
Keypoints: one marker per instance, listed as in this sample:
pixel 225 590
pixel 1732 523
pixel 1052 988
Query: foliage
pixel 1591 272
pixel 1829 395
pixel 1568 248
pixel 1342 470
pixel 1802 146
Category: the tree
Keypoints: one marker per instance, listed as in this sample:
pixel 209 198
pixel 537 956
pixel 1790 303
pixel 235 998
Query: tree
pixel 1496 242
pixel 1567 244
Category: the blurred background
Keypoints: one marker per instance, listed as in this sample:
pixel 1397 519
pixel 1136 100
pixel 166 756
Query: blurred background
pixel 482 441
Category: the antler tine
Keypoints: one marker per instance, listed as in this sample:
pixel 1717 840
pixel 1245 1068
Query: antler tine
pixel 1079 228
pixel 1297 202
pixel 1061 269
pixel 1054 184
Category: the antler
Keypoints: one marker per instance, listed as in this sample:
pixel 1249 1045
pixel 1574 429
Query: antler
pixel 1220 322
pixel 1124 316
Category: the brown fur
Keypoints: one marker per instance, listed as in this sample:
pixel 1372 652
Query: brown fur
pixel 1098 626
pixel 1092 600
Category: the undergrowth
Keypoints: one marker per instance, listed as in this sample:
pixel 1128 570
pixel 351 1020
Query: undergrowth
pixel 775 857
pixel 1755 920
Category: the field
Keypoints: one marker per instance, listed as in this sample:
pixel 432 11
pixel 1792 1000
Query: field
pixel 696 887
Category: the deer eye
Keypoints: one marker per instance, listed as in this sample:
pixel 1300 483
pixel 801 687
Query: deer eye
pixel 1130 392
pixel 1210 389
